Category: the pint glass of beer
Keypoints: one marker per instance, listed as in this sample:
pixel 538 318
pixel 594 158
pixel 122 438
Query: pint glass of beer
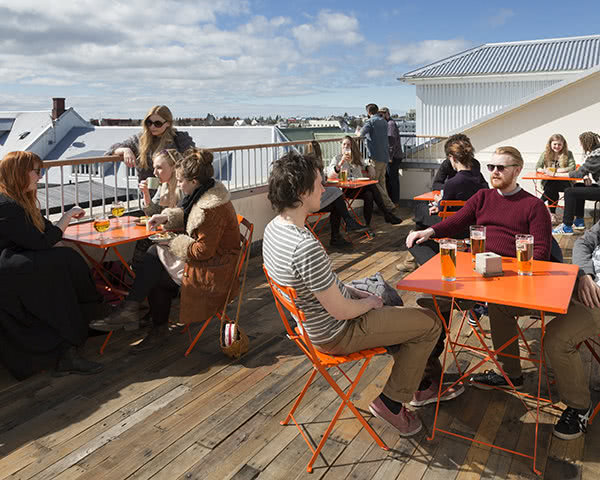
pixel 343 176
pixel 524 244
pixel 477 234
pixel 448 259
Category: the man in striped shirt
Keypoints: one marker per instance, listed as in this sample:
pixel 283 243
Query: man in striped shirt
pixel 340 319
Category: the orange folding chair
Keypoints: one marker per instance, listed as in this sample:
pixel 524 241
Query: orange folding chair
pixel 314 226
pixel 285 298
pixel 246 230
pixel 588 343
pixel 444 213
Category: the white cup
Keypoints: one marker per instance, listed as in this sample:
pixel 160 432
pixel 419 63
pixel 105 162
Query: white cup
pixel 153 183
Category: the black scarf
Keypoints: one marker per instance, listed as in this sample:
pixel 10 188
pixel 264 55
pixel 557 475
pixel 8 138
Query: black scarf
pixel 190 200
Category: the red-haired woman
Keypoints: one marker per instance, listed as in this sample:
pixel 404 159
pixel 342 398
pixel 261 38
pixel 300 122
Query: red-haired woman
pixel 158 134
pixel 47 294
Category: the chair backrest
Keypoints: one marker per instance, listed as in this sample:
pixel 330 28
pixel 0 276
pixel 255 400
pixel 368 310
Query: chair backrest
pixel 444 212
pixel 246 231
pixel 285 299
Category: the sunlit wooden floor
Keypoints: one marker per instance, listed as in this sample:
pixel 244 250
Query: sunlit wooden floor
pixel 162 415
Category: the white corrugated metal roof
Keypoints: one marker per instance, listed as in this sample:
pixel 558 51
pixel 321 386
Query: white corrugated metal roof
pixel 570 54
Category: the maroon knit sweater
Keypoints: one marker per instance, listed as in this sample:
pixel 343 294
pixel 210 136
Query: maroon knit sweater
pixel 504 217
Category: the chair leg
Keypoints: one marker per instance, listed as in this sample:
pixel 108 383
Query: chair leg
pixel 105 343
pixel 300 397
pixel 197 337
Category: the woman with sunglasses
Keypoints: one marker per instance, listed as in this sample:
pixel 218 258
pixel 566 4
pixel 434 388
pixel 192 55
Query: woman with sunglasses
pixel 47 294
pixel 200 261
pixel 158 134
pixel 576 196
pixel 556 158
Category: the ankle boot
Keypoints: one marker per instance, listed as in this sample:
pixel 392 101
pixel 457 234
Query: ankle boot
pixel 339 242
pixel 353 226
pixel 391 218
pixel 157 336
pixel 126 315
pixel 71 362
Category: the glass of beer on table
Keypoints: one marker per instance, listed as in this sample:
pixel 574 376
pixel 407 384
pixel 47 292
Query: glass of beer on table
pixel 477 235
pixel 343 175
pixel 448 259
pixel 117 209
pixel 524 245
pixel 101 224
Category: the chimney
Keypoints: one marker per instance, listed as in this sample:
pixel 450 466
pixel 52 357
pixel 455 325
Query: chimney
pixel 58 107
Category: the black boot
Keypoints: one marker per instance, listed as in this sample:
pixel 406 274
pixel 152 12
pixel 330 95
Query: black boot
pixel 353 226
pixel 156 338
pixel 126 315
pixel 337 241
pixel 391 218
pixel 71 362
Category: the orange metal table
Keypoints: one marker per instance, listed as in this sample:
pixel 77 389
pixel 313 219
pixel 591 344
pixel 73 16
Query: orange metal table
pixel 427 196
pixel 547 290
pixel 352 189
pixel 542 176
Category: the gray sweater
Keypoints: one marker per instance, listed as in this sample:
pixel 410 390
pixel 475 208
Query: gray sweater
pixel 586 252
pixel 591 166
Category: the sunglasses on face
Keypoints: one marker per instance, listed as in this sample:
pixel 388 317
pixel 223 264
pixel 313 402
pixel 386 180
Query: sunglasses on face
pixel 500 168
pixel 38 171
pixel 156 123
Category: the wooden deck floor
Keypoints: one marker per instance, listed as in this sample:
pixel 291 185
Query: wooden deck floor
pixel 164 416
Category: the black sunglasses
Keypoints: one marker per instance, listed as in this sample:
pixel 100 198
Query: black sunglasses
pixel 491 166
pixel 156 123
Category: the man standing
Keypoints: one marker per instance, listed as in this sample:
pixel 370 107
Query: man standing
pixel 341 319
pixel 506 210
pixel 392 178
pixel 375 130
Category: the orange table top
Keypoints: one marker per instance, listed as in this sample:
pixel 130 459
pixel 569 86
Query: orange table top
pixel 548 289
pixel 351 183
pixel 543 176
pixel 428 196
pixel 128 231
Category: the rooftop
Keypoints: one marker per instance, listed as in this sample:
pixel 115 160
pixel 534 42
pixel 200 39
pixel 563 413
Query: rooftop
pixel 554 55
pixel 162 415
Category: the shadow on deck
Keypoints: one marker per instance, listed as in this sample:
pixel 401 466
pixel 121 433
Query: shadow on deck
pixel 162 415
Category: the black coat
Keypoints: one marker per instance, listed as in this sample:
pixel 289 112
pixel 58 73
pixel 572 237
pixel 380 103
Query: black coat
pixel 46 293
pixel 446 171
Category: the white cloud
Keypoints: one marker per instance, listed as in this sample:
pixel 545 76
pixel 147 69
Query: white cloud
pixel 427 51
pixel 376 73
pixel 501 17
pixel 329 28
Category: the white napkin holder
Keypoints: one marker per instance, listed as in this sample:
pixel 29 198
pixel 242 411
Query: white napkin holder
pixel 488 264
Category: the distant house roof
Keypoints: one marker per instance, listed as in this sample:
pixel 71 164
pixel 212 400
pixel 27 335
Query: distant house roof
pixel 17 124
pixel 572 54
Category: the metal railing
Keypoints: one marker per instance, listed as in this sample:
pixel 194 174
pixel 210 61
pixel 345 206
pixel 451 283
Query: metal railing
pixel 95 182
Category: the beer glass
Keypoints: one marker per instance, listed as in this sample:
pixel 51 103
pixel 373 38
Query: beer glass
pixel 448 259
pixel 524 245
pixel 117 209
pixel 477 234
pixel 101 224
pixel 343 175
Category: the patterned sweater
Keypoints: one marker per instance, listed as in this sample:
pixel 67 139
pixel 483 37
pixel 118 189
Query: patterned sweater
pixel 504 217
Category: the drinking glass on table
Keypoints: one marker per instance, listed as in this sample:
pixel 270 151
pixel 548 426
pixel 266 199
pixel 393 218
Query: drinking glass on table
pixel 117 209
pixel 101 224
pixel 343 175
pixel 448 259
pixel 477 235
pixel 524 245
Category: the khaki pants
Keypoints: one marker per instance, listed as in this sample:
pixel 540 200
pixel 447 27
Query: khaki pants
pixel 380 169
pixel 413 331
pixel 563 334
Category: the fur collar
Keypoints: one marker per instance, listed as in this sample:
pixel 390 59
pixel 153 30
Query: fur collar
pixel 214 197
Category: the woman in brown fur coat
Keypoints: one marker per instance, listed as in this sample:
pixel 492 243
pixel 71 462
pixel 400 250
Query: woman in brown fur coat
pixel 201 260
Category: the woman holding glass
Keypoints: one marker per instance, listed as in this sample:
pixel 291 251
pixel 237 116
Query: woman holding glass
pixel 48 295
pixel 157 134
pixel 556 158
pixel 201 261
pixel 350 161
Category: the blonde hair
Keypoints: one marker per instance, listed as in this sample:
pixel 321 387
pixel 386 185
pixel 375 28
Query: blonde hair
pixel 14 183
pixel 511 152
pixel 148 142
pixel 553 159
pixel 173 158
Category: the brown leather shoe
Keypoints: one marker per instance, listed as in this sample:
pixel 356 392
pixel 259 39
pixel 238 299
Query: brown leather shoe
pixel 126 315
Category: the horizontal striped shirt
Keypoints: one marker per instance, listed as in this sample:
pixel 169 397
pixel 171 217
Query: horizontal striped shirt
pixel 294 258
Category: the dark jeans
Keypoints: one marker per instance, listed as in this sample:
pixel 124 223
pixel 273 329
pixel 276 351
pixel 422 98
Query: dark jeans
pixel 575 198
pixel 392 180
pixel 422 218
pixel 337 210
pixel 153 281
pixel 368 195
pixel 552 188
pixel 424 251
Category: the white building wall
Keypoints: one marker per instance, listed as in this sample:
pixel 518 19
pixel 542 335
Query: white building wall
pixel 446 107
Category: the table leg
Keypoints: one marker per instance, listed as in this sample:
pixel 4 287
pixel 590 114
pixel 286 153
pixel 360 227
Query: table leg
pixel 350 201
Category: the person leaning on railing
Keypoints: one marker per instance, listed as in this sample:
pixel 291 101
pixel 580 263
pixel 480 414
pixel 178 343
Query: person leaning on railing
pixel 556 158
pixel 201 260
pixel 350 160
pixel 576 196
pixel 47 294
pixel 332 201
pixel 157 134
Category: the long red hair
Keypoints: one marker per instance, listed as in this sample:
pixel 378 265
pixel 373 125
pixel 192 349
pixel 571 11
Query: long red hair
pixel 14 182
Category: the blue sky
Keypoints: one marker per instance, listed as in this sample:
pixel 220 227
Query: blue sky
pixel 238 57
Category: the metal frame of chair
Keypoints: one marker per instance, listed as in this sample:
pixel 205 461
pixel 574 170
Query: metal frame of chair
pixel 285 299
pixel 242 264
pixel 588 343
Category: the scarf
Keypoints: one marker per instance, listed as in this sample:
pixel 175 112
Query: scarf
pixel 190 200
